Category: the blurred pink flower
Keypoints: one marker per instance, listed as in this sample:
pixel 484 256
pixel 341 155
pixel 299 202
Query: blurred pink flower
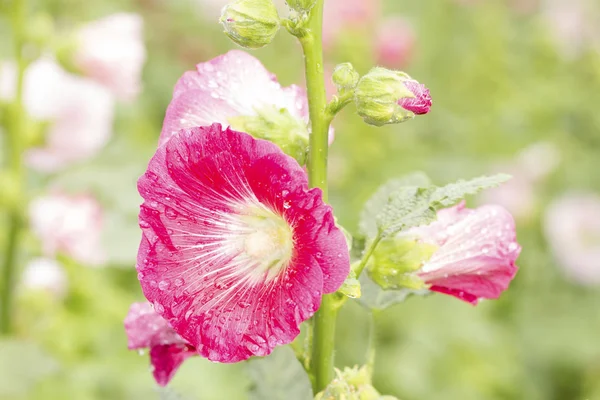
pixel 111 51
pixel 146 329
pixel 394 42
pixel 476 255
pixel 236 250
pixel 572 228
pixel 339 15
pixel 45 274
pixel 80 113
pixel 532 165
pixel 68 224
pixel 234 84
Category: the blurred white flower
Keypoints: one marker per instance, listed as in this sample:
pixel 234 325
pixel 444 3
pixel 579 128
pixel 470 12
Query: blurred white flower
pixel 69 224
pixel 111 51
pixel 45 274
pixel 572 228
pixel 80 113
pixel 574 24
pixel 528 169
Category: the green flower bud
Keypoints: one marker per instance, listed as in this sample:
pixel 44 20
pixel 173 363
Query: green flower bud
pixel 384 97
pixel 345 77
pixel 395 261
pixel 278 126
pixel 301 6
pixel 251 23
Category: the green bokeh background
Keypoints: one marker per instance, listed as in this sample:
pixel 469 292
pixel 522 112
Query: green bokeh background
pixel 498 82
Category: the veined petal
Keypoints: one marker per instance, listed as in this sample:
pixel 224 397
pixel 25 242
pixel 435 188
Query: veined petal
pixel 236 250
pixel 234 84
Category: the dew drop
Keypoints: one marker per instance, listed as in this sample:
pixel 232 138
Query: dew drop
pixel 286 204
pixel 178 282
pixel 140 276
pixel 141 352
pixel 163 285
pixel 244 304
pixel 513 246
pixel 158 307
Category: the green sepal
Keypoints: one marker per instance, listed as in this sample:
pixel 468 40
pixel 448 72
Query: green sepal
pixel 251 23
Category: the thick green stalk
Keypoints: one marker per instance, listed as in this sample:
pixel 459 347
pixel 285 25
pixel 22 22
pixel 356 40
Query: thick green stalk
pixel 321 364
pixel 14 156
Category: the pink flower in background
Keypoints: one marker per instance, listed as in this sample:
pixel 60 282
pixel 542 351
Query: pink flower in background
pixel 421 103
pixel 236 250
pixel 532 165
pixel 394 42
pixel 147 330
pixel 476 255
pixel 79 112
pixel 572 228
pixel 231 85
pixel 68 224
pixel 45 274
pixel 111 51
pixel 339 15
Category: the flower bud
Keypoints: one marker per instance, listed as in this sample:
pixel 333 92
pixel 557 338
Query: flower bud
pixel 385 97
pixel 251 23
pixel 301 5
pixel 345 77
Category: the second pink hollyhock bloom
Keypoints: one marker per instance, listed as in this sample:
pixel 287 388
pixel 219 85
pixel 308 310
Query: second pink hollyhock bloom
pixel 394 42
pixel 476 254
pixel 111 51
pixel 236 250
pixel 231 85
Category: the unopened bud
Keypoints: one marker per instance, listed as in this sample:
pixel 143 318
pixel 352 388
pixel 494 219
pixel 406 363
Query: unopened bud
pixel 345 77
pixel 251 23
pixel 385 97
pixel 301 6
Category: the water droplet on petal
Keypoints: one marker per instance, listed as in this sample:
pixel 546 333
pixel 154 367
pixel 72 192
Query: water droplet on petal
pixel 163 285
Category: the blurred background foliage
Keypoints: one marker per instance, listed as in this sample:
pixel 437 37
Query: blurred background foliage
pixel 500 81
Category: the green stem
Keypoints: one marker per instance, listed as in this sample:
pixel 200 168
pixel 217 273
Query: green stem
pixel 368 253
pixel 324 320
pixel 371 344
pixel 14 157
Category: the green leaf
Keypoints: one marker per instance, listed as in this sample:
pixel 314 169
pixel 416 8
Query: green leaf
pixel 452 193
pixel 351 286
pixel 405 208
pixel 23 365
pixel 380 198
pixel 279 376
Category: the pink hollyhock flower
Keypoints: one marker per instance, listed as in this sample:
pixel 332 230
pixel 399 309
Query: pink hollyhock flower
pixel 234 84
pixel 572 228
pixel 339 15
pixel 69 224
pixel 394 43
pixel 45 274
pixel 236 250
pixel 80 113
pixel 111 51
pixel 147 330
pixel 476 255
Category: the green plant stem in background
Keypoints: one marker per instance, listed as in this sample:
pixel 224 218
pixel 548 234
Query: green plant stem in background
pixel 367 254
pixel 14 156
pixel 371 343
pixel 321 362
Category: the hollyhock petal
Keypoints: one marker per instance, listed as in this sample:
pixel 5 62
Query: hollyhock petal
pixel 111 51
pixel 69 224
pixel 476 255
pixel 236 250
pixel 421 103
pixel 146 329
pixel 234 84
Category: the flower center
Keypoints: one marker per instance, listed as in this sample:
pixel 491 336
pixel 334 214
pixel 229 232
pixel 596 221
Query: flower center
pixel 268 242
